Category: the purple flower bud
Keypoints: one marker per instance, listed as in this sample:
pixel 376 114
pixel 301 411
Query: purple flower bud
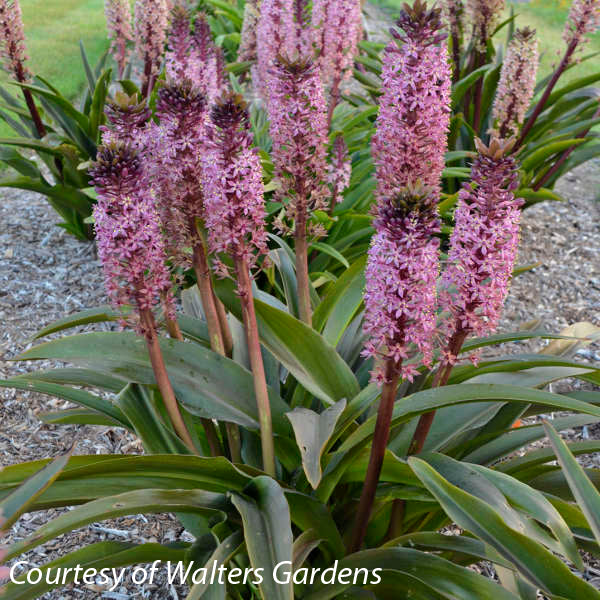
pixel 274 36
pixel 127 119
pixel 340 169
pixel 414 110
pixel 484 243
pixel 173 152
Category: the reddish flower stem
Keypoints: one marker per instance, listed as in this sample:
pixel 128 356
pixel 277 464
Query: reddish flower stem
pixel 334 100
pixel 256 363
pixel 210 430
pixel 564 63
pixel 162 378
pixel 380 440
pixel 562 159
pixel 215 332
pixel 301 249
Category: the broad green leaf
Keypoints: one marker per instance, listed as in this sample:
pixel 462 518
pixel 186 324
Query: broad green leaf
pixel 459 89
pixel 330 251
pixel 156 437
pixel 130 503
pixel 301 350
pixel 76 416
pixel 87 478
pixel 532 560
pixel 448 580
pixel 341 303
pixel 99 314
pixel 433 399
pixel 312 431
pixel 19 501
pixel 496 488
pixel 541 155
pixel 208 384
pixel 587 496
pixel 77 396
pixel 74 376
pixel 268 533
pixel 472 548
pixel 509 441
pixel 541 456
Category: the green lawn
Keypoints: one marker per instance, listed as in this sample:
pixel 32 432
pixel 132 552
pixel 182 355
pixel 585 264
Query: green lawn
pixel 53 29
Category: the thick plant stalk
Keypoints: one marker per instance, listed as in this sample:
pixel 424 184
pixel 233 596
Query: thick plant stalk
pixel 380 440
pixel 257 366
pixel 203 281
pixel 225 329
pixel 301 248
pixel 334 100
pixel 162 378
pixel 215 333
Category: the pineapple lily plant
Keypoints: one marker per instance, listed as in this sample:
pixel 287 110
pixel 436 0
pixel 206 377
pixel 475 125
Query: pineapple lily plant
pixel 328 396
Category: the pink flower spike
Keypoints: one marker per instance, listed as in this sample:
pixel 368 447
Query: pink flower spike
pixel 298 126
pixel 128 234
pixel 414 111
pixel 584 18
pixel 484 243
pixel 119 23
pixel 401 276
pixel 151 20
pixel 235 210
pixel 517 84
pixel 12 42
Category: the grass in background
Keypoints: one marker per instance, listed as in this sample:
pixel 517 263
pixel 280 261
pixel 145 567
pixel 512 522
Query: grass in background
pixel 53 29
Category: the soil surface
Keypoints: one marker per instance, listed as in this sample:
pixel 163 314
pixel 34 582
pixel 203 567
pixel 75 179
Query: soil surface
pixel 46 274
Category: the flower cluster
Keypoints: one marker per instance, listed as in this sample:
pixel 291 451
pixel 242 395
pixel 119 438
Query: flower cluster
pixel 151 19
pixel 517 83
pixel 340 170
pixel 128 119
pixel 179 56
pixel 401 274
pixel 247 49
pixel 128 233
pixel 484 15
pixel 120 29
pixel 483 245
pixel 298 125
pixel 337 26
pixel 584 18
pixel 209 61
pixel 234 190
pixel 174 147
pixel 274 36
pixel 454 13
pixel 414 110
pixel 12 42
